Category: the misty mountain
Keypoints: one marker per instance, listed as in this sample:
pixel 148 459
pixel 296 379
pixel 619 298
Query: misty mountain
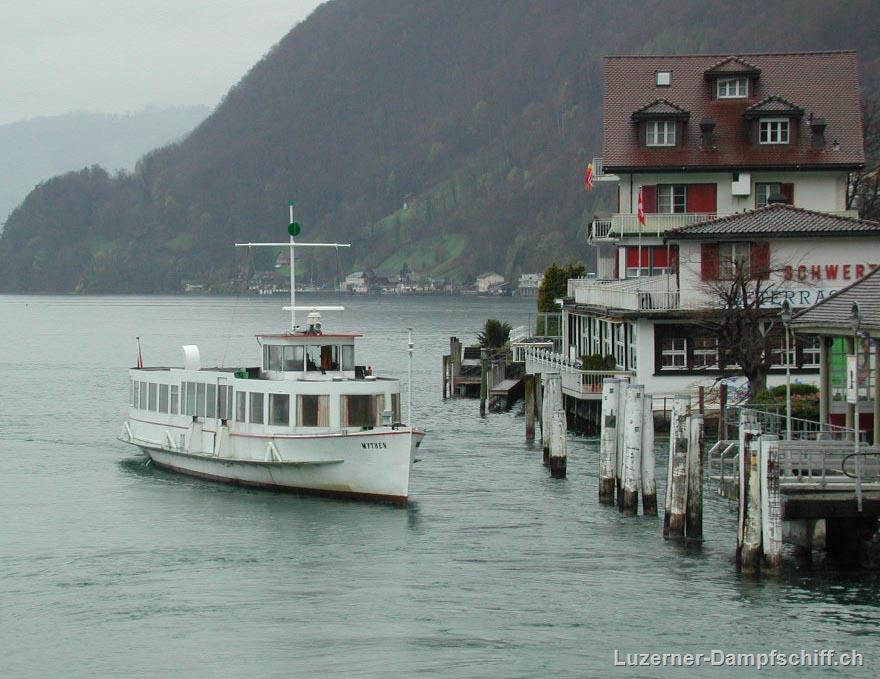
pixel 39 148
pixel 446 135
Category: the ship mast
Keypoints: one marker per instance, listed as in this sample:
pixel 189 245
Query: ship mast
pixel 294 230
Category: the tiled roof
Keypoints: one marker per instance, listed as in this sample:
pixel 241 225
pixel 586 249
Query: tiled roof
pixel 731 66
pixel 774 104
pixel 781 221
pixel 833 313
pixel 825 84
pixel 661 108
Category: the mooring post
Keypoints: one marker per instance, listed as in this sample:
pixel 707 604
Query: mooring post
pixel 608 441
pixel 749 430
pixel 632 452
pixel 529 398
pixel 751 546
pixel 771 507
pixel 673 441
pixel 701 400
pixel 445 374
pixel 558 452
pixel 484 380
pixel 621 430
pixel 694 521
pixel 649 480
pixel 679 439
pixel 552 402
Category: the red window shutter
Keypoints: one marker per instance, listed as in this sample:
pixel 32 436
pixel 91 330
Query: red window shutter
pixel 761 260
pixel 649 198
pixel 788 191
pixel 632 256
pixel 701 198
pixel 709 261
pixel 660 258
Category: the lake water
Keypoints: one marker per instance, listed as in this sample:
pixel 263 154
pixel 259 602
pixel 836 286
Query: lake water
pixel 111 568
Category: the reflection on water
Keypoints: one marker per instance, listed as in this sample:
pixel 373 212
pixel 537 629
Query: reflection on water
pixel 114 568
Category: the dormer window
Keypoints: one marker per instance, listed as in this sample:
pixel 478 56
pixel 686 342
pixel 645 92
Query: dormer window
pixel 732 88
pixel 773 130
pixel 664 78
pixel 660 133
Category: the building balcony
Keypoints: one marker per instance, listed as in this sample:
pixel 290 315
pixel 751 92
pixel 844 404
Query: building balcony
pixel 648 293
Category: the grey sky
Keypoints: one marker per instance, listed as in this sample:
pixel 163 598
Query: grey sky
pixel 123 55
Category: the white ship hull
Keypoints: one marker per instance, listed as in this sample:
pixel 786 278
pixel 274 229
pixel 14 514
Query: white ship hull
pixel 371 465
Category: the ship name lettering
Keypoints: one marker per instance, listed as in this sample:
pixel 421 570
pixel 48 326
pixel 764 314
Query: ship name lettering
pixel 373 445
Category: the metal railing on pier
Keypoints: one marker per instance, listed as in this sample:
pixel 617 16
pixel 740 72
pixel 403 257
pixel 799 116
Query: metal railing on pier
pixel 576 382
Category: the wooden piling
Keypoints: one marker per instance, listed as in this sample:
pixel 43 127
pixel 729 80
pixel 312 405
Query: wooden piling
pixel 771 512
pixel 484 380
pixel 648 466
pixel 749 430
pixel 621 429
pixel 558 452
pixel 529 398
pixel 722 412
pixel 701 400
pixel 608 441
pixel 634 412
pixel 552 402
pixel 445 374
pixel 694 519
pixel 750 561
pixel 674 519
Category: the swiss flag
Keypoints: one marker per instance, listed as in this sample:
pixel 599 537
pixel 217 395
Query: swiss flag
pixel 588 177
pixel 641 212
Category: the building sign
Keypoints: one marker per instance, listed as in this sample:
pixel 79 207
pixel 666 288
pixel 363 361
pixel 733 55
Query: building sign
pixel 826 272
pixel 800 297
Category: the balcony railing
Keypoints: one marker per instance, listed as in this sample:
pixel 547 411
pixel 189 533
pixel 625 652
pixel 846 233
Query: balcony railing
pixel 649 293
pixel 581 384
pixel 622 225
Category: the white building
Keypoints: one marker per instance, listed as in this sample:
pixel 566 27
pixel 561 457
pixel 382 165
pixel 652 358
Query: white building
pixel 529 284
pixel 357 282
pixel 705 144
pixel 486 282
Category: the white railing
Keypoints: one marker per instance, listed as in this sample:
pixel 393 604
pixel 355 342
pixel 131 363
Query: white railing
pixel 623 224
pixel 518 349
pixel 646 293
pixel 575 381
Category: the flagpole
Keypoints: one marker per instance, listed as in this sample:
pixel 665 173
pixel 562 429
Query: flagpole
pixel 292 280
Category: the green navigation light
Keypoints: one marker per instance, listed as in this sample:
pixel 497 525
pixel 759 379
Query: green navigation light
pixel 294 229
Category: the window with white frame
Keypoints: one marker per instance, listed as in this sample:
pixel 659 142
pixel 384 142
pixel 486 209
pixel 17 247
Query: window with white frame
pixel 672 198
pixel 673 353
pixel 732 88
pixel 631 347
pixel 660 133
pixel 607 339
pixel 763 191
pixel 779 355
pixel 773 130
pixel 811 353
pixel 733 257
pixel 620 344
pixel 705 352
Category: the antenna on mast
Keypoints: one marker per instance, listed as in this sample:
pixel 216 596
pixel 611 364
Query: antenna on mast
pixel 293 230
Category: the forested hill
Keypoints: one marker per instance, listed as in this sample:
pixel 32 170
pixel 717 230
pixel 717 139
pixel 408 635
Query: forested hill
pixel 478 116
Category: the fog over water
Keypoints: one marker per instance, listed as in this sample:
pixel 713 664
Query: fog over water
pixel 111 568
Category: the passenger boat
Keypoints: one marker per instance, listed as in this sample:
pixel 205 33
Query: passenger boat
pixel 309 418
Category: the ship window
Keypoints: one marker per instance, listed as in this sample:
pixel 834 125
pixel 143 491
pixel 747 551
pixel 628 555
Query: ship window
pixel 153 392
pixel 279 410
pixel 362 411
pixel 224 409
pixel 322 358
pixel 348 357
pixel 274 357
pixel 358 411
pixel 200 399
pixel 256 410
pixel 293 358
pixel 163 398
pixel 143 397
pixel 211 406
pixel 131 388
pixel 174 392
pixel 395 407
pixel 190 398
pixel 240 406
pixel 135 393
pixel 313 410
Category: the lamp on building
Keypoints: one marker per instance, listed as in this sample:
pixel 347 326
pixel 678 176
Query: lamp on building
pixel 855 322
pixel 785 315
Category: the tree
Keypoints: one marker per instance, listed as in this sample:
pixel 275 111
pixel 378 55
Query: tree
pixel 743 319
pixel 495 334
pixel 863 189
pixel 554 285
